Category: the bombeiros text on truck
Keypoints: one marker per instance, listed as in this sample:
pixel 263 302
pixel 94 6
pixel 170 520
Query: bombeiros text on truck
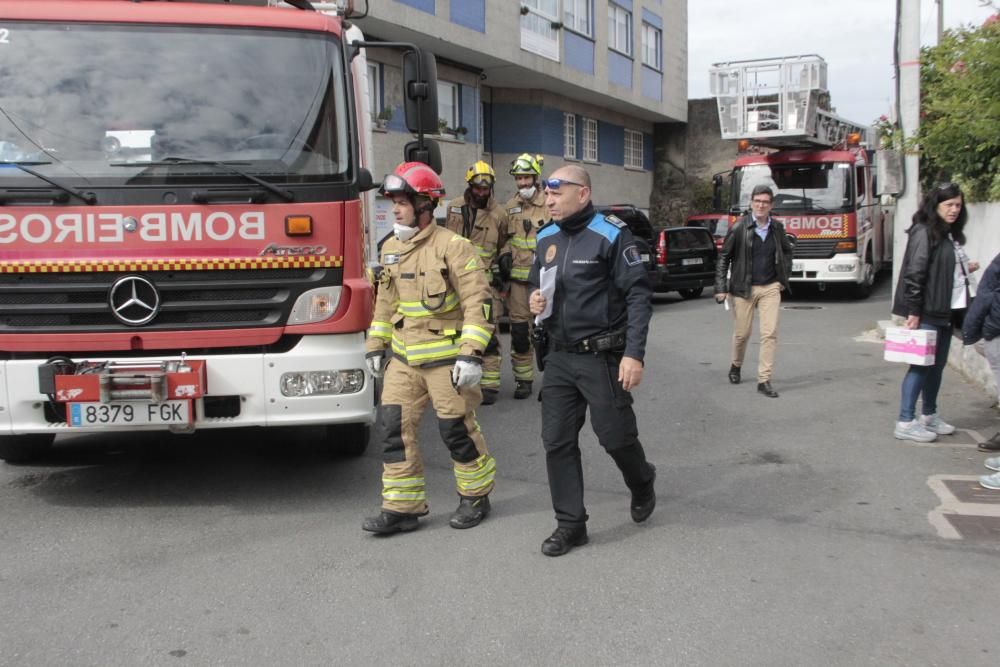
pixel 184 216
pixel 822 173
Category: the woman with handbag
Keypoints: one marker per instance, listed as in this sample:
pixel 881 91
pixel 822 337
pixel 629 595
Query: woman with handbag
pixel 932 293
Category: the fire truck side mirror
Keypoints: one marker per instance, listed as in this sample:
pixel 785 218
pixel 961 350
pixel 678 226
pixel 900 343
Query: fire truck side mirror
pixel 420 104
pixel 365 180
pixel 717 193
pixel 429 153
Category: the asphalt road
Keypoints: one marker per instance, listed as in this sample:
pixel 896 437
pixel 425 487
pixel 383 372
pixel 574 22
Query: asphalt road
pixel 789 531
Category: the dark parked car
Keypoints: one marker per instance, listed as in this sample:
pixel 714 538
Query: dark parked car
pixel 716 223
pixel 685 260
pixel 640 227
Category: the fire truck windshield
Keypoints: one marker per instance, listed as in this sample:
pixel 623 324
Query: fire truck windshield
pixel 105 104
pixel 798 188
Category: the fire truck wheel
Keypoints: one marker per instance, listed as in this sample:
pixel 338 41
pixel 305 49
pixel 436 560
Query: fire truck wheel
pixel 863 289
pixel 25 448
pixel 347 439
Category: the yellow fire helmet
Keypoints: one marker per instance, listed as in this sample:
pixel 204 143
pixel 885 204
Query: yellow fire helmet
pixel 480 174
pixel 526 164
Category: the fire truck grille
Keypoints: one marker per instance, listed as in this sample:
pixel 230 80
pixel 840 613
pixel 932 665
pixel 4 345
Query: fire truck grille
pixel 815 248
pixel 189 300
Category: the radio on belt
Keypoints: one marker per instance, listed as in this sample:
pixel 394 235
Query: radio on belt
pixel 109 381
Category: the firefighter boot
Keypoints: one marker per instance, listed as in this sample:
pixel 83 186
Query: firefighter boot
pixel 387 523
pixel 522 389
pixel 489 396
pixel 471 511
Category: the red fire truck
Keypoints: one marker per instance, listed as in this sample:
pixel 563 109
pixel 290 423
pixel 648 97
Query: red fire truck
pixel 184 241
pixel 822 174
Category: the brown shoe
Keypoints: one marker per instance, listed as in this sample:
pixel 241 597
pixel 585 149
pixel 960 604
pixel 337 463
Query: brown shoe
pixel 766 389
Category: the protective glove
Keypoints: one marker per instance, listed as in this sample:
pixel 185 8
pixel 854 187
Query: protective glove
pixel 505 263
pixel 467 373
pixel 376 363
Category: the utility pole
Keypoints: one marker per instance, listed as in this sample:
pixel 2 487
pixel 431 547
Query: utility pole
pixel 940 20
pixel 908 25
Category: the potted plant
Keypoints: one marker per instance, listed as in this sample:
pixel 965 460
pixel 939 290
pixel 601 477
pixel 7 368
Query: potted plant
pixel 442 126
pixel 383 118
pixel 460 132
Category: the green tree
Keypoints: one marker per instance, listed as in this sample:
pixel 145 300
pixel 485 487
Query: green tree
pixel 959 136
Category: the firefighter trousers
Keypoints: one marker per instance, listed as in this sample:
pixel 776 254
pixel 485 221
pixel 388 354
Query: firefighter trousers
pixel 570 384
pixel 522 358
pixel 491 355
pixel 406 391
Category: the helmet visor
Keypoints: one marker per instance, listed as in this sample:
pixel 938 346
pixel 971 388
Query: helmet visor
pixel 392 184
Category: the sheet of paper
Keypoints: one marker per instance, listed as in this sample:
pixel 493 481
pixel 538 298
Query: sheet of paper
pixel 547 286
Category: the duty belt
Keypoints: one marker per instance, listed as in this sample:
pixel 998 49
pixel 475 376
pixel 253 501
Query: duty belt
pixel 608 342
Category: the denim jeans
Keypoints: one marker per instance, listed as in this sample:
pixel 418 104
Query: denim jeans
pixel 925 381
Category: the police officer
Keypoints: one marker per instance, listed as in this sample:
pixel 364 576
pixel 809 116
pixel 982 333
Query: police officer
pixel 597 328
pixel 477 216
pixel 526 212
pixel 432 314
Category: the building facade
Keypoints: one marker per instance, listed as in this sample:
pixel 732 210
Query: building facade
pixel 577 81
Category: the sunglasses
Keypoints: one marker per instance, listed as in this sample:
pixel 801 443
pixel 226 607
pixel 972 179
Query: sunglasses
pixel 556 183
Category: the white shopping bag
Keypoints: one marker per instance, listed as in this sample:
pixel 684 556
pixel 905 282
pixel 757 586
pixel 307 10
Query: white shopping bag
pixel 910 346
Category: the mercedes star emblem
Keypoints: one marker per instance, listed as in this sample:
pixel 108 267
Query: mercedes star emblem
pixel 134 300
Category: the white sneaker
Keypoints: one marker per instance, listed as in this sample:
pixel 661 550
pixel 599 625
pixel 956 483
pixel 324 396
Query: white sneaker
pixel 935 424
pixel 913 430
pixel 993 463
pixel 990 481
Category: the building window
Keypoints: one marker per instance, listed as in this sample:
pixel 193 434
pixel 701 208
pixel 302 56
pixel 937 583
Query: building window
pixel 633 149
pixel 576 16
pixel 589 140
pixel 374 90
pixel 569 136
pixel 537 34
pixel 448 104
pixel 652 46
pixel 619 29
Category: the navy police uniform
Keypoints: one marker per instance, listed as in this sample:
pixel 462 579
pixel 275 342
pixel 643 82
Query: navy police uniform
pixel 600 311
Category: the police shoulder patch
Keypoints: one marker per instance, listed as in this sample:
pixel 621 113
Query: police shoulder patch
pixel 616 221
pixel 632 255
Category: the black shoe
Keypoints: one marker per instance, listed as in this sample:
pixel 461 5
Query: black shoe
pixel 388 523
pixel 523 389
pixel 766 389
pixel 991 445
pixel 563 539
pixel 734 374
pixel 471 512
pixel 489 396
pixel 644 502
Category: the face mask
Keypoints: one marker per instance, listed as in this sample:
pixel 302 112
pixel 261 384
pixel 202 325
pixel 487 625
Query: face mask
pixel 402 232
pixel 527 193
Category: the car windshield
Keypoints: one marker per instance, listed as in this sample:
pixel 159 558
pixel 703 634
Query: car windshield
pixel 798 188
pixel 98 104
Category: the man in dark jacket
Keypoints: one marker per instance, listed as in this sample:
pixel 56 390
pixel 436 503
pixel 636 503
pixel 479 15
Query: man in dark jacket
pixel 597 324
pixel 982 321
pixel 758 256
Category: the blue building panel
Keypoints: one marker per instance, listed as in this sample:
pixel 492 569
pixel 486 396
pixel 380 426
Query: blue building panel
pixel 652 83
pixel 422 5
pixel 652 19
pixel 578 52
pixel 619 69
pixel 611 144
pixel 470 14
pixel 647 151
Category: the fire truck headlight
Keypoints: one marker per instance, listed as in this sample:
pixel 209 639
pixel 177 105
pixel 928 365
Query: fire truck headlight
pixel 841 268
pixel 315 305
pixel 319 383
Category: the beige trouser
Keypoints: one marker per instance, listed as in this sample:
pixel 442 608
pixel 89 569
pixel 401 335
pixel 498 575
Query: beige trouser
pixel 491 357
pixel 405 393
pixel 522 362
pixel 766 299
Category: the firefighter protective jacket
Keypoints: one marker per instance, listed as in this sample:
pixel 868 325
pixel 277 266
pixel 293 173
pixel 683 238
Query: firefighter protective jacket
pixel 433 302
pixel 601 281
pixel 486 227
pixel 524 218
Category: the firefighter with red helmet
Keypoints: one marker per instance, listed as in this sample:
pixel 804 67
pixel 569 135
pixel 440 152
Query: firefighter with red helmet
pixel 431 325
pixel 526 212
pixel 477 216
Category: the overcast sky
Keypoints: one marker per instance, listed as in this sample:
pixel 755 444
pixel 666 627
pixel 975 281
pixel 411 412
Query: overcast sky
pixel 855 37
